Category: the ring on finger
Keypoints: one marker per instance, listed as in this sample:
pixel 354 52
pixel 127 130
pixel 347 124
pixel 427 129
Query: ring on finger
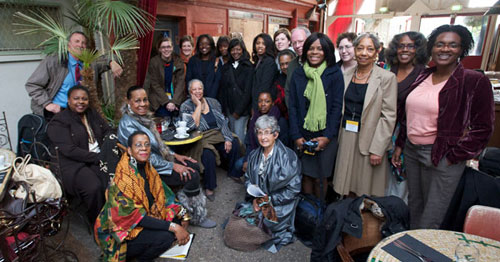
pixel 184 173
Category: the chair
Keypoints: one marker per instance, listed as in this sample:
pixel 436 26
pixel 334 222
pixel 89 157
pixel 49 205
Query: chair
pixel 483 221
pixel 4 132
pixel 351 246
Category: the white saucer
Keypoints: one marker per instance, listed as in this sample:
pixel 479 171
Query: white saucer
pixel 178 136
pixel 4 166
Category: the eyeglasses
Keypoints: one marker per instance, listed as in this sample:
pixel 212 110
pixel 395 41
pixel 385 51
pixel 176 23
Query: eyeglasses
pixel 264 133
pixel 145 145
pixel 451 45
pixel 346 47
pixel 408 46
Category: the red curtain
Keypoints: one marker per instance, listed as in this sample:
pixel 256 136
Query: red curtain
pixel 340 25
pixel 146 42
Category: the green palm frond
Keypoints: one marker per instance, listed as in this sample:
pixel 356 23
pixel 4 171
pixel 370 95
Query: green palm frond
pixel 87 56
pixel 119 18
pixel 43 22
pixel 75 13
pixel 121 44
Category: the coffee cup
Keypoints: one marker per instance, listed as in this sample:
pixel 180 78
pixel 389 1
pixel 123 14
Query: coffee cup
pixel 182 123
pixel 181 131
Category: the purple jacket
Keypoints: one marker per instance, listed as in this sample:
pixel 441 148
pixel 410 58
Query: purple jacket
pixel 466 115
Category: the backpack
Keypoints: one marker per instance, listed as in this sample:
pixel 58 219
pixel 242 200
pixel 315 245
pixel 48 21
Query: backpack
pixel 32 137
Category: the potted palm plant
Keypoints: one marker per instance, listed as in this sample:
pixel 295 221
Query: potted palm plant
pixel 118 24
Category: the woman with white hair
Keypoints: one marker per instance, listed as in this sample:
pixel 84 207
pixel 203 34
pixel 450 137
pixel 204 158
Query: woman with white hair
pixel 276 170
pixel 205 114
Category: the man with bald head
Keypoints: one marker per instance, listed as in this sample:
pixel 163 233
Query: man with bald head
pixel 48 86
pixel 299 36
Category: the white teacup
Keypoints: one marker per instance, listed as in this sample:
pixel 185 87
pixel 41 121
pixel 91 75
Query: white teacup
pixel 181 131
pixel 182 123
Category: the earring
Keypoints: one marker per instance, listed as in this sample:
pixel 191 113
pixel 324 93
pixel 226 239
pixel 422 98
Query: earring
pixel 133 162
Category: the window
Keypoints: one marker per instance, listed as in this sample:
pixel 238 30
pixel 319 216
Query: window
pixel 15 44
pixel 475 23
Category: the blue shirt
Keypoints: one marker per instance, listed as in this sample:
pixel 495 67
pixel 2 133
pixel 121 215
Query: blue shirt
pixel 61 98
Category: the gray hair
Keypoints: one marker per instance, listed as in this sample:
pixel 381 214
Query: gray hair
pixel 190 83
pixel 265 121
pixel 374 39
pixel 303 28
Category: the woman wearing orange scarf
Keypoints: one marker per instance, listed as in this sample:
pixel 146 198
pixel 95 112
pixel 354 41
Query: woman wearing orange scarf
pixel 141 216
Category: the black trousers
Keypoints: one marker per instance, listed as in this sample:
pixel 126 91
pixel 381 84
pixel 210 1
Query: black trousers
pixel 190 187
pixel 90 187
pixel 149 244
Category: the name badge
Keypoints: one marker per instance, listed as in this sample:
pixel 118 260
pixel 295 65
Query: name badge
pixel 352 126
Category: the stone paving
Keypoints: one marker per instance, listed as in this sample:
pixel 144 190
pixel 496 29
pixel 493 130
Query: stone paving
pixel 208 244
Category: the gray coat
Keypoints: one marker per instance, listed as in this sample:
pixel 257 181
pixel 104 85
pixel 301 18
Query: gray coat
pixel 282 182
pixel 129 125
pixel 46 80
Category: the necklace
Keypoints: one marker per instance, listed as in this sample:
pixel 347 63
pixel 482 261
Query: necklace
pixel 364 77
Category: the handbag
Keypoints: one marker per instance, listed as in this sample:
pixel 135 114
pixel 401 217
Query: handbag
pixel 39 179
pixel 12 208
pixel 242 236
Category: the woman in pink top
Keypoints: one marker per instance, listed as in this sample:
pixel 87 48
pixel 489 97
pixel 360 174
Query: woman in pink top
pixel 448 119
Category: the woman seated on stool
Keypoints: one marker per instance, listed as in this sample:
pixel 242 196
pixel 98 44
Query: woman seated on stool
pixel 276 170
pixel 141 216
pixel 78 131
pixel 174 169
pixel 205 114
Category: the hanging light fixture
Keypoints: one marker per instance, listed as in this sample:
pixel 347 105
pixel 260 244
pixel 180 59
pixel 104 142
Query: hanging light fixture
pixel 456 7
pixel 494 10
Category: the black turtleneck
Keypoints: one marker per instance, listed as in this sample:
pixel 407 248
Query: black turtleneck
pixel 148 221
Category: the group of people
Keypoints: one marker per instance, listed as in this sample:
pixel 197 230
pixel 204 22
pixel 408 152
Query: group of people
pixel 287 118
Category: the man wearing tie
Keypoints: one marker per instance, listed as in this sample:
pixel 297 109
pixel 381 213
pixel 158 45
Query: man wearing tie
pixel 49 84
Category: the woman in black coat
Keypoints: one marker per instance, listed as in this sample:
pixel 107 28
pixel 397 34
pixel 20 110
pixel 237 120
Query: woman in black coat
pixel 205 66
pixel 236 87
pixel 263 55
pixel 78 132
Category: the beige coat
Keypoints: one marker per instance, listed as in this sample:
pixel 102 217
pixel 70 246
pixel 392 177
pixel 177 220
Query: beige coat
pixel 379 111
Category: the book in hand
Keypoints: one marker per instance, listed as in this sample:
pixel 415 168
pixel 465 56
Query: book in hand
pixel 179 252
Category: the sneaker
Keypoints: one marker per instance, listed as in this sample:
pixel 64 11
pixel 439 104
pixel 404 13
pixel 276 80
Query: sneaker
pixel 207 223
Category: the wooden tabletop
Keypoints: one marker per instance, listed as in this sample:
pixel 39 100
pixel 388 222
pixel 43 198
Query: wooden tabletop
pixel 443 241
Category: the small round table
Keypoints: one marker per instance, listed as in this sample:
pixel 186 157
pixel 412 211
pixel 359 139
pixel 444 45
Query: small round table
pixel 443 241
pixel 193 137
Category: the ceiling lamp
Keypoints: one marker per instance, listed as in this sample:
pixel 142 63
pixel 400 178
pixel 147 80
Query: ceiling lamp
pixel 456 7
pixel 383 9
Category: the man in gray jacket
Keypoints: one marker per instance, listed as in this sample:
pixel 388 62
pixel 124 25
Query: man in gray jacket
pixel 49 84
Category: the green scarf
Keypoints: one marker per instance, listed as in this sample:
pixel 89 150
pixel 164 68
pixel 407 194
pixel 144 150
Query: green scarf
pixel 316 114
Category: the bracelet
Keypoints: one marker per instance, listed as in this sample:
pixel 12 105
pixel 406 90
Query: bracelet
pixel 172 227
pixel 186 217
